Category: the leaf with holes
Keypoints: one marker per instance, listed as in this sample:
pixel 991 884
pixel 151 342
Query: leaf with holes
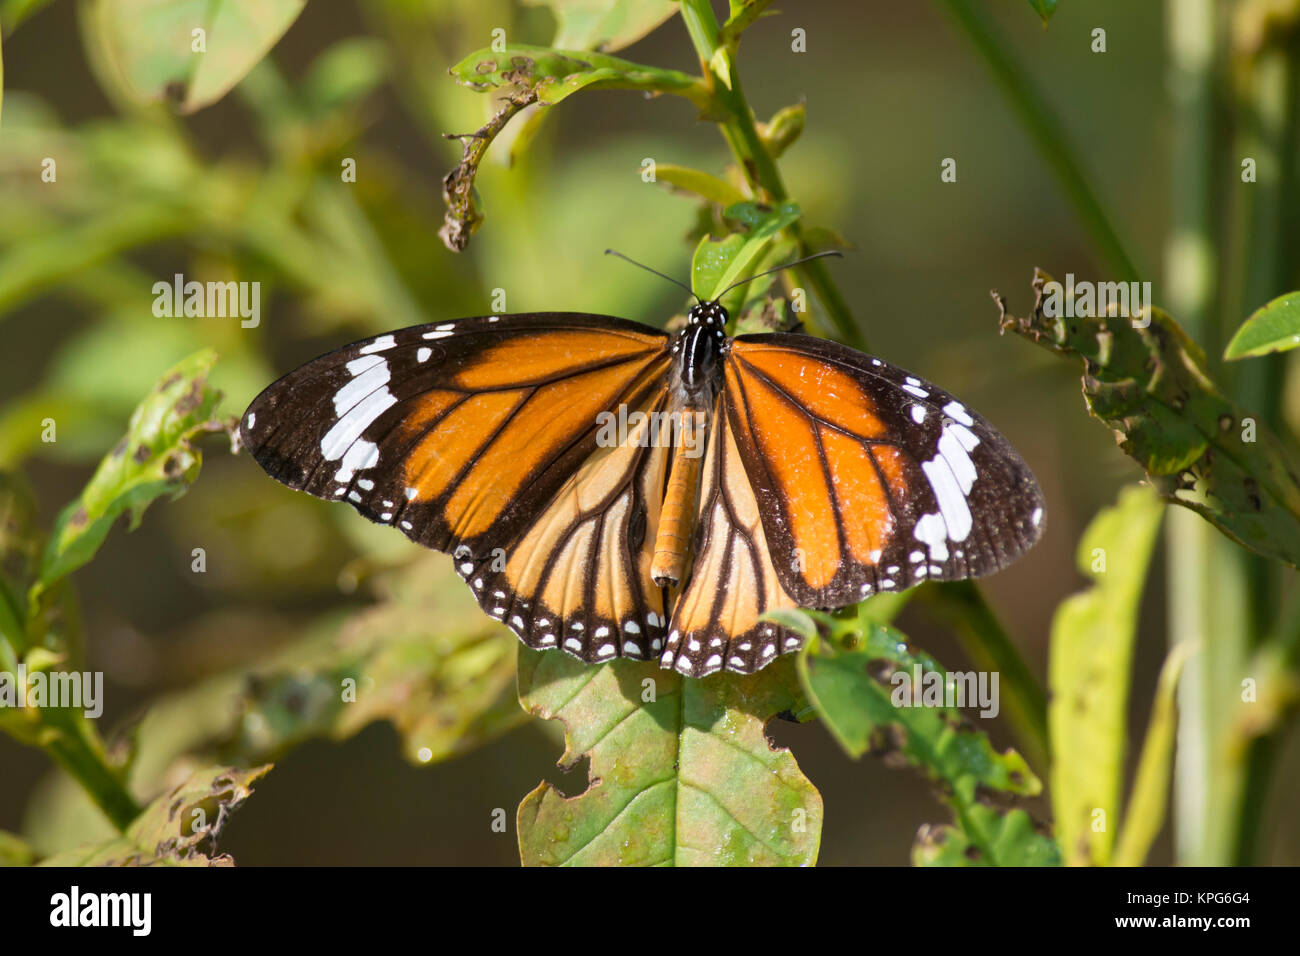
pixel 553 75
pixel 1093 635
pixel 1146 379
pixel 1015 838
pixel 173 829
pixel 874 694
pixel 682 773
pixel 155 458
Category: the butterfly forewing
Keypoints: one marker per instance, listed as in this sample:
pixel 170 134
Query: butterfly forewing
pixel 461 433
pixel 870 479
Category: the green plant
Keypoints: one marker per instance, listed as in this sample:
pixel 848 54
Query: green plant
pixel 681 771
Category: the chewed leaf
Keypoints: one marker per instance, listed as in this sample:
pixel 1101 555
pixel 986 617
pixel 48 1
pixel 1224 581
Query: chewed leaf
pixel 173 830
pixel 1146 379
pixel 682 773
pixel 554 74
pixel 154 458
pixel 1014 837
pixel 1273 328
pixel 189 51
pixel 1093 635
pixel 606 25
pixel 879 696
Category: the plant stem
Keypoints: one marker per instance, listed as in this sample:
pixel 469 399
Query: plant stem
pixel 1047 132
pixel 1209 603
pixel 961 606
pixel 736 121
pixel 1269 116
pixel 73 744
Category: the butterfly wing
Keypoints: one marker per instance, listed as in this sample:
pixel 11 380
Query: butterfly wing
pixel 867 478
pixel 480 438
pixel 716 620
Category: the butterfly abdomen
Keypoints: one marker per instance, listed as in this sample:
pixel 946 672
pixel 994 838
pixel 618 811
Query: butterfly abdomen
pixel 677 519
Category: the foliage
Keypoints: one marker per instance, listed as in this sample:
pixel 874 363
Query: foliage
pixel 1093 636
pixel 1147 380
pixel 680 771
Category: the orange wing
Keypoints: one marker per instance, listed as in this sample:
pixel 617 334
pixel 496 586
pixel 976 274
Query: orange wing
pixel 867 478
pixel 480 438
pixel 732 582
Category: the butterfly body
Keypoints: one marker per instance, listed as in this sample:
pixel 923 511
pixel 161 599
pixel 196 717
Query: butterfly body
pixel 791 472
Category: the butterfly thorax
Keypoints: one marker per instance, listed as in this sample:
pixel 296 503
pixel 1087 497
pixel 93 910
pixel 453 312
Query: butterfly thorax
pixel 699 348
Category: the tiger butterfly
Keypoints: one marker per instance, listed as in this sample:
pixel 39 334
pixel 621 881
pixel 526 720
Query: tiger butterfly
pixel 789 471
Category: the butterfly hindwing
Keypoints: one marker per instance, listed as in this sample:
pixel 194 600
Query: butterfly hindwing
pixel 870 479
pixel 578 578
pixel 716 620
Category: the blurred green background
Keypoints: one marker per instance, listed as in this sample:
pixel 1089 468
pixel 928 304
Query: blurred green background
pixel 248 188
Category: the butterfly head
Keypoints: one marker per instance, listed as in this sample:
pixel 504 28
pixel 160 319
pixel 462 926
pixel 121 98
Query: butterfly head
pixel 710 315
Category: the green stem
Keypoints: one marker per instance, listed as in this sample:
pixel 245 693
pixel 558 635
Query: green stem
pixel 1047 132
pixel 961 606
pixel 736 120
pixel 73 744
pixel 1269 117
pixel 1209 599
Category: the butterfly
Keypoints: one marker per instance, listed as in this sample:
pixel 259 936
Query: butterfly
pixel 617 491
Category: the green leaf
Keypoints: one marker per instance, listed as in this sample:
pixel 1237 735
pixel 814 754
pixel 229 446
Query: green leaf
pixel 741 15
pixel 1044 8
pixel 154 459
pixel 1273 328
pixel 866 694
pixel 1145 814
pixel 1200 451
pixel 719 263
pixel 424 659
pixel 605 25
pixel 15 852
pixel 346 72
pixel 553 75
pixel 146 48
pixel 1014 837
pixel 780 132
pixel 1093 635
pixel 681 771
pixel 173 829
pixel 700 183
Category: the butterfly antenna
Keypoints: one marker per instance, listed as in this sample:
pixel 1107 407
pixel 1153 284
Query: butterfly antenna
pixel 788 265
pixel 613 252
